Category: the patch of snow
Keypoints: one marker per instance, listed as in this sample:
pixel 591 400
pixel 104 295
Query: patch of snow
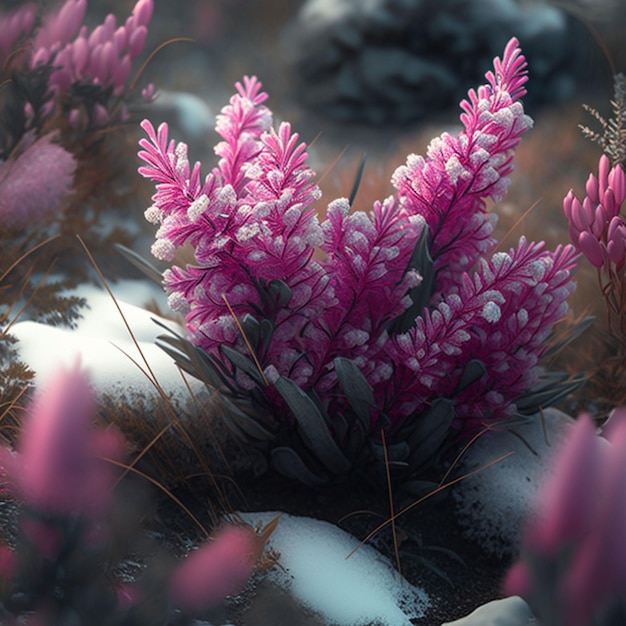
pixel 362 589
pixel 104 345
pixel 492 504
pixel 511 611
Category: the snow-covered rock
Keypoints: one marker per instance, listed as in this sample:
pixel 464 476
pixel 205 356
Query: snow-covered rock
pixel 511 611
pixel 362 589
pixel 492 503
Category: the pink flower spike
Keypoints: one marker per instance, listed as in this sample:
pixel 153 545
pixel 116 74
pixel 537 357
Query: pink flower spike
pixel 214 571
pixel 591 248
pixel 566 503
pixel 55 443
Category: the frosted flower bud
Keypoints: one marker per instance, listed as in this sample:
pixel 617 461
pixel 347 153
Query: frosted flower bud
pixel 491 312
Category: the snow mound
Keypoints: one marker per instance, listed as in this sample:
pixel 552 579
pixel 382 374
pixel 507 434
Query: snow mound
pixel 359 590
pixel 104 345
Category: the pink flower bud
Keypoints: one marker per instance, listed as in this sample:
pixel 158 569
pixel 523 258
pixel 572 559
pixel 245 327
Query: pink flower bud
pixel 608 205
pixel 617 182
pixel 69 19
pixel 108 61
pixel 137 41
pixel 603 174
pixel 216 570
pixel 591 248
pixel 97 36
pixel 616 241
pixel 75 119
pixel 80 55
pixel 109 27
pixel 591 187
pixel 143 12
pixel 41 57
pixel 120 39
pixel 147 93
pixel 121 72
pixel 100 115
pixel 600 221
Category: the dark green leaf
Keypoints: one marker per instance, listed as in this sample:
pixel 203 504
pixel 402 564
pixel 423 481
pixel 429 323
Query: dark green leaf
pixel 356 388
pixel 395 451
pixel 242 363
pixel 421 294
pixel 357 180
pixel 551 389
pixel 356 441
pixel 288 462
pixel 140 263
pixel 572 333
pixel 266 330
pixel 243 422
pixel 280 292
pixel 312 426
pixel 430 431
pixel 472 372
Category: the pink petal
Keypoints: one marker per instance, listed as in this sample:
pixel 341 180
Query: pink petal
pixel 591 248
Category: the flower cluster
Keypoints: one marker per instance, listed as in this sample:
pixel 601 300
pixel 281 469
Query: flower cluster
pixel 595 225
pixel 60 82
pixel 99 61
pixel 74 521
pixel 571 569
pixel 405 293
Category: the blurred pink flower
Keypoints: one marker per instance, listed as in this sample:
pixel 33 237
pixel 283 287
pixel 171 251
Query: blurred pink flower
pixel 34 181
pixel 572 569
pixel 216 570
pixel 58 469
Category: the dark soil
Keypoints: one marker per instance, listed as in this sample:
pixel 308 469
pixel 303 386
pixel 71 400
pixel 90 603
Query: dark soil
pixel 457 574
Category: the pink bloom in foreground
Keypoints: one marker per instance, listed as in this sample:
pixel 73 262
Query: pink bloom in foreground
pixel 216 570
pixel 572 569
pixel 58 469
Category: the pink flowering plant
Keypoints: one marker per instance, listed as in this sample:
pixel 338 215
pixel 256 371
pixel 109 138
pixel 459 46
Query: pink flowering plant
pixel 77 523
pixel 597 228
pixel 403 318
pixel 61 82
pixel 572 565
